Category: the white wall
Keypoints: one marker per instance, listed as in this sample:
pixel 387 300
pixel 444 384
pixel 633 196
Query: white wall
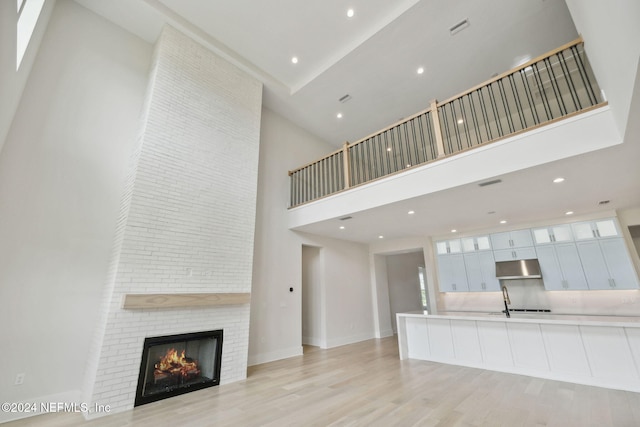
pixel 12 81
pixel 61 175
pixel 349 304
pixel 583 133
pixel 276 313
pixel 276 324
pixel 612 41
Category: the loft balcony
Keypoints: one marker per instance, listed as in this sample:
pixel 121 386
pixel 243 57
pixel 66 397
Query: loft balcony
pixel 556 92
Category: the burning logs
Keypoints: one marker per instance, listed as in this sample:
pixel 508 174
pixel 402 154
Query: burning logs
pixel 175 369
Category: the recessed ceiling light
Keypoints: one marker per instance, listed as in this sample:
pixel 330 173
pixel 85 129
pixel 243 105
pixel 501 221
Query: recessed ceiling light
pixel 380 237
pixel 294 59
pixel 460 121
pixel 339 115
pixel 411 212
pixel 388 148
pixel 342 227
pixel 569 213
pixel 420 70
pixel 408 165
pixel 350 13
pixel 559 179
pixel 504 221
pixel 454 231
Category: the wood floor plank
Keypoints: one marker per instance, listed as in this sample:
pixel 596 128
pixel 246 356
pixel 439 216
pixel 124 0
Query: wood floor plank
pixel 366 384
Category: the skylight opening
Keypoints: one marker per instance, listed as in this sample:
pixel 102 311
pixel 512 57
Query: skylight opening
pixel 28 14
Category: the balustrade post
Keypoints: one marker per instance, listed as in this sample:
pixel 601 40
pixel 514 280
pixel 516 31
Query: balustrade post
pixel 346 165
pixel 436 128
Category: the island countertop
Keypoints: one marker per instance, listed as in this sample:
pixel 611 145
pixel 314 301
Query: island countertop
pixel 533 317
pixel 602 351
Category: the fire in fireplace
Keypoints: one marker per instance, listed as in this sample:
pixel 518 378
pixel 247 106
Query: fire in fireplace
pixel 177 364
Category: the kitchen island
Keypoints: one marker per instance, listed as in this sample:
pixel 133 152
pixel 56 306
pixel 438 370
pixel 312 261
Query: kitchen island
pixel 599 351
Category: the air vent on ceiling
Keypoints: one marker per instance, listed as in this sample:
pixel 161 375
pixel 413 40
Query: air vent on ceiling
pixel 603 202
pixel 344 218
pixel 495 181
pixel 345 98
pixel 459 26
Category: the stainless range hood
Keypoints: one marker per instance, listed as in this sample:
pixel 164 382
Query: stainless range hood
pixel 519 269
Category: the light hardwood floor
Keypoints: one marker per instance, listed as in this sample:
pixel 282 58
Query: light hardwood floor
pixel 365 384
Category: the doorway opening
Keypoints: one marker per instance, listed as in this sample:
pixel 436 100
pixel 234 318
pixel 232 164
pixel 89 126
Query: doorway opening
pixel 406 283
pixel 312 298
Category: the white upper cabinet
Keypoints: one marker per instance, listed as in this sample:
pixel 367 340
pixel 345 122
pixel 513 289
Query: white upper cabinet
pixel 514 254
pixel 553 234
pixel 577 256
pixel 453 246
pixel 452 274
pixel 477 243
pixel 481 271
pixel 607 264
pixel 595 229
pixel 561 267
pixel 512 239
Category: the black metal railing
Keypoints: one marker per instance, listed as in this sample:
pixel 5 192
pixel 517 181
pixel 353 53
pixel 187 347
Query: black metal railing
pixel 555 86
pixel 552 87
pixel 318 179
pixel 404 145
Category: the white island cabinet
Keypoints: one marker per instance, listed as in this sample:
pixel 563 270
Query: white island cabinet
pixel 604 352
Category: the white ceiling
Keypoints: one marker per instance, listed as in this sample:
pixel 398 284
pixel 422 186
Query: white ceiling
pixel 374 57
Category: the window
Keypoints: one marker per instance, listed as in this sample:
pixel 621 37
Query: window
pixel 28 13
pixel 423 289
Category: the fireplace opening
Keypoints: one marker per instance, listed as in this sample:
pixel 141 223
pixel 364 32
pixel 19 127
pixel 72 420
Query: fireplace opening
pixel 178 364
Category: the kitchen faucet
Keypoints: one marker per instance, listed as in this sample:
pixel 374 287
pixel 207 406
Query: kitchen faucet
pixel 505 297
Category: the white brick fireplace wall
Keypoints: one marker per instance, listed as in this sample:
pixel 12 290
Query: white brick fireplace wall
pixel 187 216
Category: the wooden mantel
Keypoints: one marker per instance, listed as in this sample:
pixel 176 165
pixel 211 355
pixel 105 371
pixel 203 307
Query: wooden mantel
pixel 138 301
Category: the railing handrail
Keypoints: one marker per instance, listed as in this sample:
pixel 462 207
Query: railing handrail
pixel 398 123
pixel 453 98
pixel 522 102
pixel 351 144
pixel 333 153
pixel 513 70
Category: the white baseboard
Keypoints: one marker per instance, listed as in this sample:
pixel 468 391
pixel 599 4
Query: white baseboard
pixel 386 333
pixel 258 359
pixel 316 342
pixel 337 342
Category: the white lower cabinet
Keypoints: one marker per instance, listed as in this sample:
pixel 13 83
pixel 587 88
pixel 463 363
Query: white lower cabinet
pixel 481 272
pixel 606 264
pixel 591 352
pixel 452 273
pixel 561 267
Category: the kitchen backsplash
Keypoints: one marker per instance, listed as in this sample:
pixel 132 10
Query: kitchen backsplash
pixel 530 294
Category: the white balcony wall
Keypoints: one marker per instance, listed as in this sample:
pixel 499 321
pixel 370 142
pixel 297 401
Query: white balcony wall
pixel 611 33
pixel 580 134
